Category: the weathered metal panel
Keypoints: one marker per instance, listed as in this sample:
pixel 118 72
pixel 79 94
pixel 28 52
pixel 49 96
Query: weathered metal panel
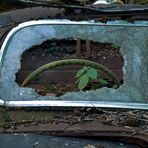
pixel 132 38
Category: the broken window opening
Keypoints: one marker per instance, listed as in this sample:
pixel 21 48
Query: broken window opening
pixel 60 80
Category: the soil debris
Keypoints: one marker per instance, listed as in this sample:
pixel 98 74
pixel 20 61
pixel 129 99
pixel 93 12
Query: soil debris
pixel 129 119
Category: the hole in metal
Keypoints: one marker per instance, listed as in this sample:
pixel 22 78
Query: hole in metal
pixel 60 80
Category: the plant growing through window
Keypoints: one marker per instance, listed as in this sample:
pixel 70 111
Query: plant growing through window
pixel 91 71
pixel 88 74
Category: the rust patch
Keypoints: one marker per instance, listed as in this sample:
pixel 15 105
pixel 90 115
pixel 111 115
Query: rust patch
pixel 89 129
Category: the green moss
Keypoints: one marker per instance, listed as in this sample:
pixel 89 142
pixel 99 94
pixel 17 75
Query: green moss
pixel 29 115
pixel 1 32
pixel 4 115
pixel 141 1
pixel 4 4
pixel 25 115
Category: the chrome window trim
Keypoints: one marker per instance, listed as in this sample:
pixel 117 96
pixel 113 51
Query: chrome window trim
pixel 51 103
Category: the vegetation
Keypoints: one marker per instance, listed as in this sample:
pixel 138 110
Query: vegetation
pixel 88 73
pixel 141 1
pixel 5 4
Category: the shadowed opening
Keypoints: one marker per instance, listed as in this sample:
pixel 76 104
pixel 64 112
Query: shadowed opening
pixel 60 80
